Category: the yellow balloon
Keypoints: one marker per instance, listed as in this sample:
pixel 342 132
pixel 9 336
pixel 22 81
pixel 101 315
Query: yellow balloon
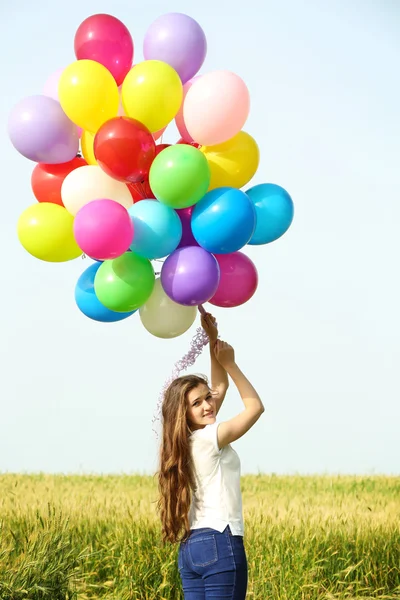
pixel 152 93
pixel 88 94
pixel 234 162
pixel 46 231
pixel 87 141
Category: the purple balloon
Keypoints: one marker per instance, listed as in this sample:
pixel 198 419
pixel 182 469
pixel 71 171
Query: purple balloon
pixel 178 40
pixel 41 131
pixel 190 276
pixel 185 215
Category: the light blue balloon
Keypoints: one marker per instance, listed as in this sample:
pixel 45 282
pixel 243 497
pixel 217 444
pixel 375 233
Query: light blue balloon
pixel 89 304
pixel 224 220
pixel 274 209
pixel 157 229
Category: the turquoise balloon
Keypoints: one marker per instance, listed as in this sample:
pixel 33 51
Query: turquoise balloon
pixel 157 229
pixel 274 210
pixel 224 220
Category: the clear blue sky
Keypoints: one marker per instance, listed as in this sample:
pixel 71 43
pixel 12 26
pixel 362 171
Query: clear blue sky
pixel 320 339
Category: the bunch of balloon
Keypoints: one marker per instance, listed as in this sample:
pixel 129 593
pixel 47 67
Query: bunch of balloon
pixel 130 201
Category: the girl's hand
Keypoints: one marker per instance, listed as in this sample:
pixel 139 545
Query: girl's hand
pixel 224 353
pixel 208 323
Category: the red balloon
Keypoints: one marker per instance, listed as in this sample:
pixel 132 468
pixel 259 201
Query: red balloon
pixel 194 144
pixel 106 40
pixel 161 147
pixel 140 191
pixel 124 148
pixel 238 280
pixel 46 180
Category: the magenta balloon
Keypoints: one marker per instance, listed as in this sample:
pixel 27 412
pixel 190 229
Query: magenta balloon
pixel 41 131
pixel 190 276
pixel 178 40
pixel 103 229
pixel 185 215
pixel 238 281
pixel 106 40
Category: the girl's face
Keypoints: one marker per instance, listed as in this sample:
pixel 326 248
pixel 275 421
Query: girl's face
pixel 201 407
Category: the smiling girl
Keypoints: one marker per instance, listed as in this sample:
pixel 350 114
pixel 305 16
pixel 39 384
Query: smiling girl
pixel 200 500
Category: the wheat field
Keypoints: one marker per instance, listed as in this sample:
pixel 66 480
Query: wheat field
pixel 66 537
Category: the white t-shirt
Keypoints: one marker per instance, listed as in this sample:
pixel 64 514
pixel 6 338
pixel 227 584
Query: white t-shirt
pixel 217 501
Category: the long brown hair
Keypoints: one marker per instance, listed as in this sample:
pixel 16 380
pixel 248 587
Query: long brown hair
pixel 176 479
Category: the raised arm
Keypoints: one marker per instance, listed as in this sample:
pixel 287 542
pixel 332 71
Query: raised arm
pixel 219 377
pixel 232 430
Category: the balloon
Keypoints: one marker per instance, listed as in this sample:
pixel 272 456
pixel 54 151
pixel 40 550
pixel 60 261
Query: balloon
pixel 185 215
pixel 103 229
pixel 194 144
pixel 224 220
pixel 178 40
pixel 158 229
pixel 39 129
pixel 88 94
pixel 140 191
pixel 45 230
pixel 161 147
pixel 50 87
pixel 238 282
pixel 159 133
pixel 274 210
pixel 163 317
pixel 216 107
pixel 190 276
pixel 46 180
pixel 125 283
pixel 89 304
pixel 152 94
pixel 91 183
pixel 234 162
pixel 124 149
pixel 87 141
pixel 106 40
pixel 179 120
pixel 179 176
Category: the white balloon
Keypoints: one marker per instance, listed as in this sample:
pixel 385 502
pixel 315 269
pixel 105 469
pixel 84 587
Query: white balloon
pixel 163 317
pixel 88 183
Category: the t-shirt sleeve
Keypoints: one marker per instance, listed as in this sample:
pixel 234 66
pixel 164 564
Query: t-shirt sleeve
pixel 210 433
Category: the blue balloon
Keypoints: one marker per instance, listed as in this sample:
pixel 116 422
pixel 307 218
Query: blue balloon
pixel 157 229
pixel 224 220
pixel 88 302
pixel 274 209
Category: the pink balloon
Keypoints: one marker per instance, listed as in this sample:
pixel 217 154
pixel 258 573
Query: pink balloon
pixel 216 107
pixel 179 120
pixel 159 133
pixel 103 229
pixel 106 40
pixel 238 281
pixel 50 88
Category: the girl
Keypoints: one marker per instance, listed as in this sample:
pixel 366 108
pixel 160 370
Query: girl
pixel 200 500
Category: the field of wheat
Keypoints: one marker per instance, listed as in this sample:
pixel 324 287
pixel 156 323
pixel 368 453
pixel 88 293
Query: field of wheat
pixel 65 537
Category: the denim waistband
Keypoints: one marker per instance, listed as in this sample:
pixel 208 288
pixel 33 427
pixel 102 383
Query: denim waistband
pixel 195 532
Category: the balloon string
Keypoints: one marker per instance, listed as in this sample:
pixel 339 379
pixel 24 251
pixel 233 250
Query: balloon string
pixel 198 342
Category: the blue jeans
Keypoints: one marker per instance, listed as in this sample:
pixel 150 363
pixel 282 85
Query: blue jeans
pixel 213 565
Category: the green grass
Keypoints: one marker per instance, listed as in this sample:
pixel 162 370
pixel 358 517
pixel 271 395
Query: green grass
pixel 307 538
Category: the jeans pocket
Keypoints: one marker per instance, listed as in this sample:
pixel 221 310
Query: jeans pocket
pixel 203 550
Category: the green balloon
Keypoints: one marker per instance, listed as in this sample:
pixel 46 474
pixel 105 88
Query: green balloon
pixel 124 283
pixel 180 176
